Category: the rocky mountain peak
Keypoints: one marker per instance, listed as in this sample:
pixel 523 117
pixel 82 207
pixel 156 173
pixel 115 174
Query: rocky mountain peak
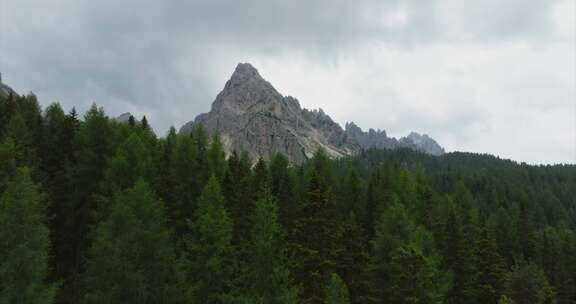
pixel 251 116
pixel 123 118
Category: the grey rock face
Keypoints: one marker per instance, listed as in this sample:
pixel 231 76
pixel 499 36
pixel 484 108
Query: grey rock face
pixel 123 118
pixel 423 143
pixel 379 140
pixel 251 116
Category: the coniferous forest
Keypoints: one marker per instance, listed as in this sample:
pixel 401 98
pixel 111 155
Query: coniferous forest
pixel 96 211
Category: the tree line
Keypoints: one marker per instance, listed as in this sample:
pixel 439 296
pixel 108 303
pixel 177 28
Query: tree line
pixel 97 211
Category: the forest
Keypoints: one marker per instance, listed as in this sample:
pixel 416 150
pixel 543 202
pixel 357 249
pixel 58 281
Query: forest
pixel 97 211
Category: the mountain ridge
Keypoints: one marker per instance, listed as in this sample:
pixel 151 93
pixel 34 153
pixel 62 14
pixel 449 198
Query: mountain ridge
pixel 251 116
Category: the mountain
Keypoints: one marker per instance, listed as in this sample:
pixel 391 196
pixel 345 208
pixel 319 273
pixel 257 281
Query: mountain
pixel 123 118
pixel 250 115
pixel 379 140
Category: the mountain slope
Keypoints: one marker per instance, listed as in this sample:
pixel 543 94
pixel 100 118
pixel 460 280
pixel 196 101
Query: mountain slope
pixel 251 116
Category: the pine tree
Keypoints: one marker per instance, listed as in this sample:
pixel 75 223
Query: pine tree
pixel 336 291
pixel 24 243
pixel 239 196
pixel 283 189
pixel 132 258
pixel 353 258
pixel 413 277
pixel 209 249
pixel 268 272
pixel 314 238
pixel 94 147
pixel 405 261
pixel 131 162
pixel 457 260
pixel 184 182
pixel 8 156
pixel 527 284
pixel 216 158
pixel 21 133
pixel 352 195
pixel 260 179
pixel 491 269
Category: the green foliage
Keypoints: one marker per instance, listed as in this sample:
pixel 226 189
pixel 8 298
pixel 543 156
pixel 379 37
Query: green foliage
pixel 209 249
pixel 132 258
pixel 527 283
pixel 313 238
pixel 268 275
pixel 24 243
pixel 336 291
pixel 8 156
pixel 395 226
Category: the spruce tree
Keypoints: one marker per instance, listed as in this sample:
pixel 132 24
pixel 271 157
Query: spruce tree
pixel 8 155
pixel 491 269
pixel 208 246
pixel 24 243
pixel 216 158
pixel 94 144
pixel 336 291
pixel 184 183
pixel 132 258
pixel 239 196
pixel 314 238
pixel 268 275
pixel 353 259
pixel 283 189
pixel 457 260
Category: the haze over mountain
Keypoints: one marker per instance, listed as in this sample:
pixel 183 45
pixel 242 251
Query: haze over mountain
pixel 251 116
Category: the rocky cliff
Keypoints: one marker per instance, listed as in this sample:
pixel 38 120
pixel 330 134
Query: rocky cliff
pixel 251 116
pixel 379 140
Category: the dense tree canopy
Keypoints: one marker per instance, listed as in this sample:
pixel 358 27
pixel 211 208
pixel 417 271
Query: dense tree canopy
pixel 97 211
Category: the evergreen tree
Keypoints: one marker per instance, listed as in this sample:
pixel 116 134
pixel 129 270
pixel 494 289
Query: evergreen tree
pixel 353 259
pixel 209 249
pixel 527 284
pixel 405 261
pixel 336 291
pixel 183 178
pixel 19 130
pixel 260 179
pixel 239 196
pixel 94 147
pixel 216 158
pixel 352 195
pixel 24 243
pixel 284 190
pixel 491 269
pixel 413 277
pixel 457 260
pixel 131 162
pixel 268 272
pixel 314 239
pixel 8 156
pixel 132 259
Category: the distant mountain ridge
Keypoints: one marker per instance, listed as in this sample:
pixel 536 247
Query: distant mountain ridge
pixel 251 116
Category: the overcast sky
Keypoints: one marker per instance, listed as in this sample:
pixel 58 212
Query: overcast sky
pixel 490 76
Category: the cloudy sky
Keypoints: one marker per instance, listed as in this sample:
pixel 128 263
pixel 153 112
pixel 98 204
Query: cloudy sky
pixel 493 76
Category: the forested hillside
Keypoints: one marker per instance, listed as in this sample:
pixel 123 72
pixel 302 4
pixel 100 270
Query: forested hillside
pixel 97 211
